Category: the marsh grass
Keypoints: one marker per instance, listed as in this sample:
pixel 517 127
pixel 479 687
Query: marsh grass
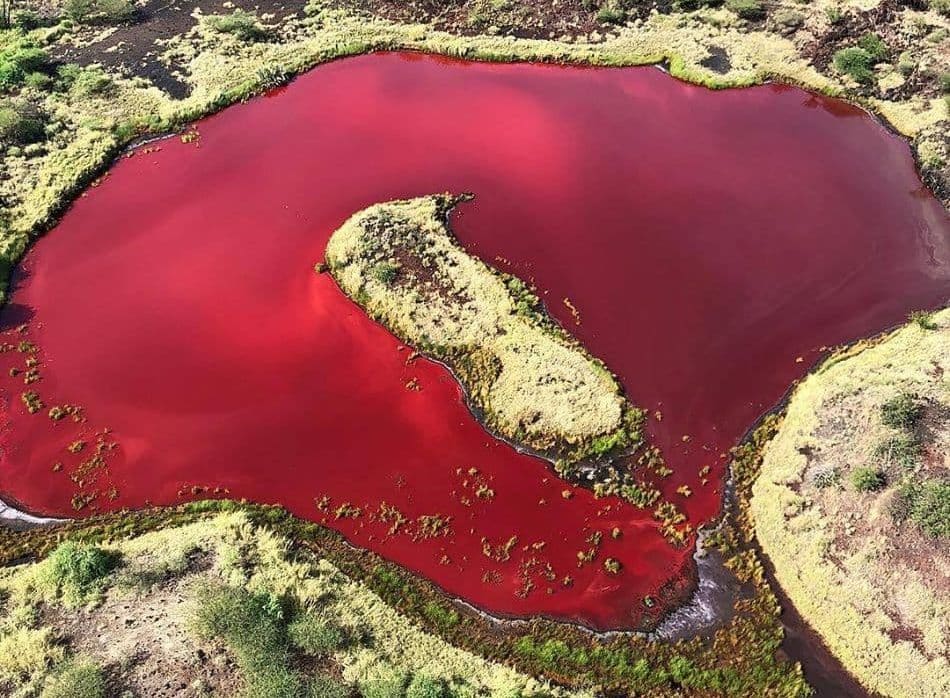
pixel 77 573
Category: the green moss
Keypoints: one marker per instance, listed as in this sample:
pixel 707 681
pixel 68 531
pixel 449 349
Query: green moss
pixel 747 9
pixel 929 508
pixel 902 412
pixel 856 63
pixel 99 11
pixel 244 25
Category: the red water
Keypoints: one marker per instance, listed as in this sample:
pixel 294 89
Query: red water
pixel 713 242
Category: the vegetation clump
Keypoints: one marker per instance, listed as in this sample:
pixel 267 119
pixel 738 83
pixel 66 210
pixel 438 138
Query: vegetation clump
pixel 76 572
pixel 99 11
pixel 244 25
pixel 868 479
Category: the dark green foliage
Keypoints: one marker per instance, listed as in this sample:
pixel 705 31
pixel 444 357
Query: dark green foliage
pixel 328 687
pixel 241 24
pixel 391 684
pixel 386 272
pixel 944 81
pixel 75 679
pixel 423 686
pixel 924 320
pixel 611 13
pixel 99 11
pixel 902 412
pixel 253 627
pixel 930 508
pixel 903 450
pixel 21 124
pixel 855 62
pixel 875 46
pixel 76 570
pixel 314 636
pixel 747 9
pixel 868 479
pixel 19 61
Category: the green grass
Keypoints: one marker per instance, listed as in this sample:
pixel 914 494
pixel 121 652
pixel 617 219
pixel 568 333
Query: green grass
pixel 930 508
pixel 902 449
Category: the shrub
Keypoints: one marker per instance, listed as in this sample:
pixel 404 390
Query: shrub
pixel 875 46
pixel 327 687
pixel 243 25
pixel 930 508
pixel 314 636
pixel 19 61
pixel 940 6
pixel 854 62
pixel 868 479
pixel 76 571
pixel 611 13
pixel 834 14
pixel 99 11
pixel 386 272
pixel 747 9
pixel 75 679
pixel 944 81
pixel 902 450
pixel 902 412
pixel 20 125
pixel 254 629
pixel 423 686
pixel 389 683
pixel 923 319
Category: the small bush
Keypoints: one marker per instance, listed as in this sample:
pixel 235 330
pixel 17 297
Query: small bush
pixel 854 62
pixel 923 319
pixel 747 9
pixel 314 636
pixel 930 509
pixel 389 683
pixel 834 14
pixel 76 571
pixel 21 125
pixel 243 25
pixel 902 450
pixel 611 13
pixel 386 272
pixel 902 412
pixel 99 11
pixel 75 679
pixel 868 479
pixel 423 686
pixel 875 46
pixel 254 628
pixel 944 81
pixel 327 687
pixel 19 61
pixel 940 6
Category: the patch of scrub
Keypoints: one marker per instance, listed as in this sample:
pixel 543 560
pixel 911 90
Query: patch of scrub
pixel 139 614
pixel 532 382
pixel 853 507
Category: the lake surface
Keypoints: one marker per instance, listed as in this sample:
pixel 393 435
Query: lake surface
pixel 713 243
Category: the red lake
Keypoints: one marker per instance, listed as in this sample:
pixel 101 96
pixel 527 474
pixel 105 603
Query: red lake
pixel 715 244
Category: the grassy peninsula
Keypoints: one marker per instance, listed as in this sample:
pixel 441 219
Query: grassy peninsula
pixel 853 507
pixel 529 380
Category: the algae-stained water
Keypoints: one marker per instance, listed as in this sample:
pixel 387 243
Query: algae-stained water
pixel 712 242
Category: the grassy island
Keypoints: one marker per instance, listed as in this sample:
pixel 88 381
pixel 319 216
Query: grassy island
pixel 530 381
pixel 853 507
